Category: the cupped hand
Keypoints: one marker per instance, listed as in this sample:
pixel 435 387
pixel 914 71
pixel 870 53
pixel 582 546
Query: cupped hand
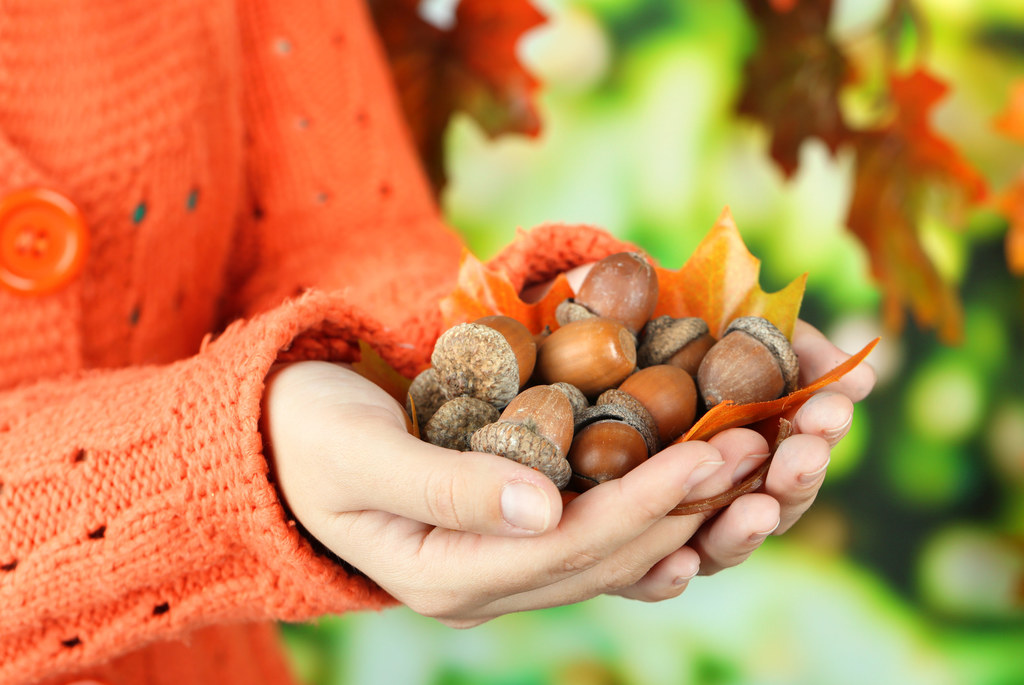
pixel 466 537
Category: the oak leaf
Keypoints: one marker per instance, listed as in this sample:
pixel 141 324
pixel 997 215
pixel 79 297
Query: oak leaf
pixel 719 282
pixel 471 67
pixel 793 79
pixel 897 164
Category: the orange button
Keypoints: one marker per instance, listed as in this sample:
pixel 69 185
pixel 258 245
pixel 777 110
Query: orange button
pixel 43 241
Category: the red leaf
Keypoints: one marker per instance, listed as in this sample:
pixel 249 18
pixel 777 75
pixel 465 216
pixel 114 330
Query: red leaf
pixel 792 81
pixel 470 68
pixel 1011 200
pixel 896 165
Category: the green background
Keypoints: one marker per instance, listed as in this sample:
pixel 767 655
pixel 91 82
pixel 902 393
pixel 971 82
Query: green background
pixel 910 567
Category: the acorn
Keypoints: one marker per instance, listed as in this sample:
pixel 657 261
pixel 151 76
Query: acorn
pixel 622 286
pixel 490 359
pixel 535 429
pixel 681 342
pixel 592 354
pixel 669 394
pixel 753 362
pixel 425 395
pixel 604 450
pixel 455 422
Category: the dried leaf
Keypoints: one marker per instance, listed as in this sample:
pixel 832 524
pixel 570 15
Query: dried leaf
pixel 793 79
pixel 896 165
pixel 373 367
pixel 481 291
pixel 719 282
pixel 729 415
pixel 471 68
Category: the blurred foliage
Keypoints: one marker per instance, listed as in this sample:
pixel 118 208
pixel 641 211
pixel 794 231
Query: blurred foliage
pixel 910 567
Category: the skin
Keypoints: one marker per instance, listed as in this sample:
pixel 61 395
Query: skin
pixel 429 526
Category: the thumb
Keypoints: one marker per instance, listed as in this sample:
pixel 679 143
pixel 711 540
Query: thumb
pixel 469 491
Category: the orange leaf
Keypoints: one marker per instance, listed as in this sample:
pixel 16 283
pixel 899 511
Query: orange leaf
pixel 1011 122
pixel 792 81
pixel 728 415
pixel 481 291
pixel 471 67
pixel 373 367
pixel 896 165
pixel 719 282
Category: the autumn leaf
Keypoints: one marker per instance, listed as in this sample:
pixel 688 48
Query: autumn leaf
pixel 719 282
pixel 481 291
pixel 792 81
pixel 1011 200
pixel 471 68
pixel 897 164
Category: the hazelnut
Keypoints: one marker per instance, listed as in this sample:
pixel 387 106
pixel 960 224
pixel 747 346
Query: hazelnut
pixel 753 362
pixel 669 394
pixel 535 429
pixel 456 420
pixel 623 287
pixel 592 354
pixel 604 450
pixel 678 342
pixel 425 396
pixel 478 360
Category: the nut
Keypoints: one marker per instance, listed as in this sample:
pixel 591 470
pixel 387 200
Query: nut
pixel 679 342
pixel 535 429
pixel 521 340
pixel 622 286
pixel 425 396
pixel 669 394
pixel 478 360
pixel 604 450
pixel 592 354
pixel 576 398
pixel 455 421
pixel 753 362
pixel 641 420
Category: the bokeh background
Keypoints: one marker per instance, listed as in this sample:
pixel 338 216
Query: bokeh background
pixel 910 567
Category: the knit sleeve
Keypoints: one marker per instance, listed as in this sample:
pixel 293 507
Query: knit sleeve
pixel 137 504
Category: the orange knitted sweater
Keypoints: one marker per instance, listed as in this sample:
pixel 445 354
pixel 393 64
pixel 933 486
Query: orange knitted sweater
pixel 240 167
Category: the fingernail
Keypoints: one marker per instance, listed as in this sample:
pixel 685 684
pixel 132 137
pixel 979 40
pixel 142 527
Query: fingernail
pixel 686 577
pixel 812 476
pixel 525 506
pixel 747 466
pixel 834 435
pixel 758 538
pixel 703 472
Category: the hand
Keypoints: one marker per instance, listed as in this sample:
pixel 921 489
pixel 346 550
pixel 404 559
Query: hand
pixel 798 469
pixel 466 537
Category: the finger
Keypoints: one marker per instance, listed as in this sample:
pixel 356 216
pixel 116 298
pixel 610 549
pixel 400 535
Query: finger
pixel 390 470
pixel 818 356
pixel 827 414
pixel 796 475
pixel 666 579
pixel 743 450
pixel 736 532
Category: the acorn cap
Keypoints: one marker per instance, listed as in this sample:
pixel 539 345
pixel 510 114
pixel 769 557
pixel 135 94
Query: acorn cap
pixel 425 395
pixel 455 421
pixel 624 399
pixel 517 442
pixel 476 360
pixel 666 335
pixel 576 397
pixel 775 340
pixel 569 310
pixel 620 412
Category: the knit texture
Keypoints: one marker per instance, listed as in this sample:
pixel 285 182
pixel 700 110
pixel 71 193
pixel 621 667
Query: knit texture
pixel 243 169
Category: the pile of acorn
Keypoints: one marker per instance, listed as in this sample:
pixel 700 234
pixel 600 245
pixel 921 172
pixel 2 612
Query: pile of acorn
pixel 605 390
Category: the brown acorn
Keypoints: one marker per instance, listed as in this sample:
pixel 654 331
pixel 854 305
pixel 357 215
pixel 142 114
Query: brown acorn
pixel 622 286
pixel 679 342
pixel 604 450
pixel 535 429
pixel 669 394
pixel 592 354
pixel 753 362
pixel 455 422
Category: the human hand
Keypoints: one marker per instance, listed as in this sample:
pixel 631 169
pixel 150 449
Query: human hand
pixel 466 537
